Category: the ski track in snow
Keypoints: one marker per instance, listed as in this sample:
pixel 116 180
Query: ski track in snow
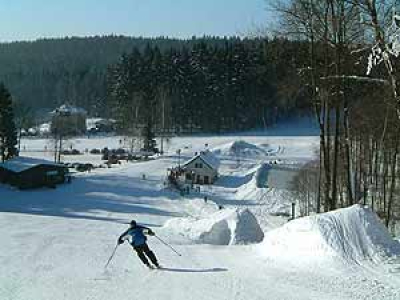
pixel 55 243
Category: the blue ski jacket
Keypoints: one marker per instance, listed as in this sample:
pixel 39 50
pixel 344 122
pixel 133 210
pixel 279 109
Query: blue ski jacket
pixel 136 234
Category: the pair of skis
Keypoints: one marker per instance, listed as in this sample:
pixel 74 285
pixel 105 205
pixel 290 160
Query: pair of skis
pixel 150 267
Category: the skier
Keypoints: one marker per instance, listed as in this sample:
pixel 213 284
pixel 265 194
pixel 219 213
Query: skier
pixel 138 242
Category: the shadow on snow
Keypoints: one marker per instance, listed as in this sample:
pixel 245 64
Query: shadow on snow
pixel 230 181
pixel 212 270
pixel 85 196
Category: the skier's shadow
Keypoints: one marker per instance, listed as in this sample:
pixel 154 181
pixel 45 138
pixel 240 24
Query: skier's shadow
pixel 181 270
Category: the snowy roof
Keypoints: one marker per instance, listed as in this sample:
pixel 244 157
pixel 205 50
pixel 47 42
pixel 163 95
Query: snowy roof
pixel 66 108
pixel 20 164
pixel 44 128
pixel 208 158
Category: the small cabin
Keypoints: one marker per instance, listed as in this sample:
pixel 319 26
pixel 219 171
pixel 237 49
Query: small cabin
pixel 27 173
pixel 201 169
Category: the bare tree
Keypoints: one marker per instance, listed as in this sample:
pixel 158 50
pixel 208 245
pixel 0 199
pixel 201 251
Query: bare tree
pixel 332 29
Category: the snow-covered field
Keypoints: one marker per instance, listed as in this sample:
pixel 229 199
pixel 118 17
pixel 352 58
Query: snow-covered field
pixel 56 242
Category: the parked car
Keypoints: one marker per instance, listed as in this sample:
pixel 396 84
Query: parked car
pixel 95 151
pixel 84 167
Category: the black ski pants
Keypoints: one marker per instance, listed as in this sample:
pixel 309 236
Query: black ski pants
pixel 143 251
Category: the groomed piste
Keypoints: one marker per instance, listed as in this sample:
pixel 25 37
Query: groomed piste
pixel 235 244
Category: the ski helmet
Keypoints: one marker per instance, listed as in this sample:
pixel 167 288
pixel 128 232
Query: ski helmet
pixel 133 223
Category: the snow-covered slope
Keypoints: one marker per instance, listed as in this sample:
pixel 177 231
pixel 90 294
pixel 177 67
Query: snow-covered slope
pixel 275 201
pixel 55 242
pixel 354 234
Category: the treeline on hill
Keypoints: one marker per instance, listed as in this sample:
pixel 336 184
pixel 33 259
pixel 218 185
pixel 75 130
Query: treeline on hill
pixel 46 73
pixel 239 85
pixel 209 83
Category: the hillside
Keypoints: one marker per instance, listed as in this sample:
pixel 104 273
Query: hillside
pixel 47 72
pixel 85 72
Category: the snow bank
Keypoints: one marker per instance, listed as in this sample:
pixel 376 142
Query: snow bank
pixel 274 201
pixel 45 128
pixel 258 180
pixel 354 234
pixel 243 149
pixel 249 189
pixel 224 227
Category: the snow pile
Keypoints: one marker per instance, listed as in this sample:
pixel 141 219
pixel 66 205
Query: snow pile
pixel 272 201
pixel 224 227
pixel 354 234
pixel 249 189
pixel 241 149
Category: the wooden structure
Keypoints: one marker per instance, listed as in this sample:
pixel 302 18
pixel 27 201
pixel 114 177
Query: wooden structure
pixel 26 173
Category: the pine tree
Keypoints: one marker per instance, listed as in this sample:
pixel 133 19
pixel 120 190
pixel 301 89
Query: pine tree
pixel 8 132
pixel 149 141
pixel 208 85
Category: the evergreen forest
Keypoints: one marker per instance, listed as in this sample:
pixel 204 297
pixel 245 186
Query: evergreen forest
pixel 208 84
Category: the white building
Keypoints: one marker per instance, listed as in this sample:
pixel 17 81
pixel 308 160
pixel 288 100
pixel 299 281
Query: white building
pixel 201 169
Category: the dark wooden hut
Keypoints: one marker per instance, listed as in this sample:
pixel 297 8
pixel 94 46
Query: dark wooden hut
pixel 26 173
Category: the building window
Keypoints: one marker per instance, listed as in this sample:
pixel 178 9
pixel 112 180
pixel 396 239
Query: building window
pixel 52 173
pixel 198 165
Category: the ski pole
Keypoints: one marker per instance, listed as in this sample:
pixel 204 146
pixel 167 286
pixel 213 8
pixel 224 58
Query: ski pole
pixel 111 257
pixel 168 245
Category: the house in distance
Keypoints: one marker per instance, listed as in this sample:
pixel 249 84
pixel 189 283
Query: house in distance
pixel 27 173
pixel 201 169
pixel 68 120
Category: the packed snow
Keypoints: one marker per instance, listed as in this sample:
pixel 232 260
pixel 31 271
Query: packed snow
pixel 234 237
pixel 354 234
pixel 225 227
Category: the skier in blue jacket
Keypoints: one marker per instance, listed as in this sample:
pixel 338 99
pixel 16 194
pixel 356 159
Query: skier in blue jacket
pixel 138 241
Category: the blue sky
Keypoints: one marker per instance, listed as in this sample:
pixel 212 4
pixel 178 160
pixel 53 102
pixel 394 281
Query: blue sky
pixel 32 19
